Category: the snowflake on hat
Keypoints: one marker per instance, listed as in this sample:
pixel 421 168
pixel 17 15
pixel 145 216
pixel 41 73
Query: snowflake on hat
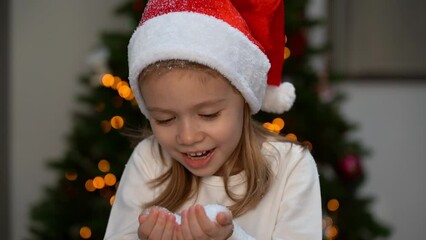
pixel 241 39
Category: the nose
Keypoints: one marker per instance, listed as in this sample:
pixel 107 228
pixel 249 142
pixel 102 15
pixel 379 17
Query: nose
pixel 188 133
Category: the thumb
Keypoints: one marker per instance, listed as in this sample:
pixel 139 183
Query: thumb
pixel 142 218
pixel 224 218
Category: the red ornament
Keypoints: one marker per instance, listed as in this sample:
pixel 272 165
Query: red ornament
pixel 297 44
pixel 138 6
pixel 350 167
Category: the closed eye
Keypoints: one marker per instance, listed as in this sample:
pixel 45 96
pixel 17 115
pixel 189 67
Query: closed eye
pixel 163 122
pixel 211 116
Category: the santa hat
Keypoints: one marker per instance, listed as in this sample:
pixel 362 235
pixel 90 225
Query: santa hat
pixel 241 39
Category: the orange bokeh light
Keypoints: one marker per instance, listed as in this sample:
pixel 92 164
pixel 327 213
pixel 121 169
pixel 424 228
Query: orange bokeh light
pixel 89 185
pixel 71 175
pixel 98 182
pixel 291 136
pixel 105 126
pixel 279 122
pixel 287 53
pixel 111 200
pixel 117 122
pixel 104 166
pixel 110 179
pixel 333 205
pixel 85 232
pixel 124 91
pixel 107 80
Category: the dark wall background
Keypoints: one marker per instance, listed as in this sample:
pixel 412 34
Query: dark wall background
pixel 4 133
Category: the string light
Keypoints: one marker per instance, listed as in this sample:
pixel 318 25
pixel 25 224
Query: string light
pixel 104 166
pixel 85 232
pixel 279 122
pixel 331 232
pixel 269 126
pixel 286 49
pixel 105 126
pixel 107 80
pixel 111 200
pixel 291 136
pixel 130 97
pixel 121 83
pixel 286 53
pixel 71 175
pixel 333 205
pixel 124 91
pixel 89 186
pixel 117 122
pixel 110 179
pixel 327 221
pixel 117 80
pixel 276 126
pixel 98 182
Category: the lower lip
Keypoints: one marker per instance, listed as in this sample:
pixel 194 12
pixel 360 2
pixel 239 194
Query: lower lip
pixel 198 163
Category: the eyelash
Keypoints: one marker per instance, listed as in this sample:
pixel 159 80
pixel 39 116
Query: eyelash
pixel 206 116
pixel 164 122
pixel 210 116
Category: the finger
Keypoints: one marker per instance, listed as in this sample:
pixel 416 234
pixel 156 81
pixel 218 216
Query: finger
pixel 142 234
pixel 178 233
pixel 142 218
pixel 157 231
pixel 195 214
pixel 207 226
pixel 224 218
pixel 169 227
pixel 147 223
pixel 185 231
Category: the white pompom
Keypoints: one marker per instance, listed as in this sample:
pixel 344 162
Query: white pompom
pixel 279 99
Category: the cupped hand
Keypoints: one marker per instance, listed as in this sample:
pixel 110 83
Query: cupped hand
pixel 197 226
pixel 158 224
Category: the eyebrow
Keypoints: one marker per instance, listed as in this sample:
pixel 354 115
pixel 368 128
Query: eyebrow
pixel 198 105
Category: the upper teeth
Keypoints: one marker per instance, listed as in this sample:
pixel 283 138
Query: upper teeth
pixel 195 154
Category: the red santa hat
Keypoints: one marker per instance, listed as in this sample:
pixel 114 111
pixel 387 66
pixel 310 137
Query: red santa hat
pixel 241 39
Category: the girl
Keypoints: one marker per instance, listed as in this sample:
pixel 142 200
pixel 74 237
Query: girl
pixel 198 70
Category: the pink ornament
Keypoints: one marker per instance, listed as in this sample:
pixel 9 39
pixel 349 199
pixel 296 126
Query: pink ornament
pixel 351 167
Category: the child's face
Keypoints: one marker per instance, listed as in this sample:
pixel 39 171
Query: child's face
pixel 196 117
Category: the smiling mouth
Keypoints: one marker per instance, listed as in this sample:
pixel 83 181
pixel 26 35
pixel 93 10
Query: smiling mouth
pixel 198 155
pixel 199 159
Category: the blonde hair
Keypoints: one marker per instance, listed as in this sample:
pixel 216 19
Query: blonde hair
pixel 181 184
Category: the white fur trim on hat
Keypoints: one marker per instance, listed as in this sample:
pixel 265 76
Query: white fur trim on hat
pixel 279 99
pixel 203 39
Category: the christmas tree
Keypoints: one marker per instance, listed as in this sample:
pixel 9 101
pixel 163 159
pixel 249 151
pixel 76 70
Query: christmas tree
pixel 78 205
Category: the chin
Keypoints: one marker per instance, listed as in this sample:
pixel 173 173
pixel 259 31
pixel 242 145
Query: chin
pixel 202 172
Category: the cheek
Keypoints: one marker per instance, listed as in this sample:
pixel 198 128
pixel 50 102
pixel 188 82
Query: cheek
pixel 162 135
pixel 231 128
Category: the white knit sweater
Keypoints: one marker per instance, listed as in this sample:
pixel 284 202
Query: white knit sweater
pixel 291 209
